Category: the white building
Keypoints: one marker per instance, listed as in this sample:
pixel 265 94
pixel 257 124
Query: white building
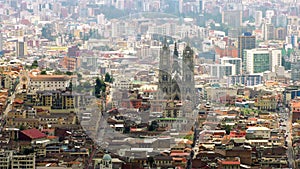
pixel 259 60
pixel 220 71
pixel 258 132
pixel 258 18
pixel 48 82
pixel 235 61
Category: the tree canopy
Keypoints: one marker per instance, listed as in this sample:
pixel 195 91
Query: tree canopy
pixel 100 87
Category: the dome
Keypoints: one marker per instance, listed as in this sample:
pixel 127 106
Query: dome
pixel 107 157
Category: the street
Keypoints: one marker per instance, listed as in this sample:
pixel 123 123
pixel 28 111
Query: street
pixel 290 150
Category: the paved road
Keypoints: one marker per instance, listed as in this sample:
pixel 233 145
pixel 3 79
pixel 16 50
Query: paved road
pixel 9 106
pixel 290 150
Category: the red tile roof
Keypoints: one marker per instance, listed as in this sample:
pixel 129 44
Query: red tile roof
pixel 230 163
pixel 33 133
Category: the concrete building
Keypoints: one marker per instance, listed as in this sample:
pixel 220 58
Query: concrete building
pixel 235 61
pixel 258 133
pixel 268 31
pixel 221 70
pixel 232 18
pixel 258 18
pixel 247 80
pixel 259 60
pixel 23 161
pixel 9 160
pixel 48 82
pixel 1 42
pixel 246 41
pixel 21 49
pixel 295 71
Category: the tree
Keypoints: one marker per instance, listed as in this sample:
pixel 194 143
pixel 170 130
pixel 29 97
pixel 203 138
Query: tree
pixel 108 78
pixel 69 73
pixel 227 129
pixel 70 86
pixel 34 65
pixel 79 76
pixel 99 87
pixel 43 72
pixel 153 126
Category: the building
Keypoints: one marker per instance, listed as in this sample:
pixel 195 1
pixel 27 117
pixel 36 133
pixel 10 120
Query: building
pixel 176 82
pixel 258 18
pixel 21 49
pixel 48 82
pixel 266 102
pixel 10 160
pixel 295 108
pixel 246 41
pixel 104 163
pixel 220 70
pixel 232 13
pixel 229 164
pixel 5 159
pixel 258 133
pixel 23 161
pixel 235 61
pixel 268 31
pixel 259 60
pixel 232 18
pixel 70 63
pixel 246 79
pixel 280 33
pixel 290 93
pixel 31 135
pixel 1 42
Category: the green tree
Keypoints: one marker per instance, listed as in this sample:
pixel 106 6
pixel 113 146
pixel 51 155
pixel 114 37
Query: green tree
pixel 70 86
pixel 43 72
pixel 153 126
pixel 69 73
pixel 227 129
pixel 99 87
pixel 34 65
pixel 107 77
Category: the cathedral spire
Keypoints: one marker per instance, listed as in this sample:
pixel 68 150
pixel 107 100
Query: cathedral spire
pixel 175 54
pixel 165 43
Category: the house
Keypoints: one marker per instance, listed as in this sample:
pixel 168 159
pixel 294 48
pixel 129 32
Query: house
pixel 31 135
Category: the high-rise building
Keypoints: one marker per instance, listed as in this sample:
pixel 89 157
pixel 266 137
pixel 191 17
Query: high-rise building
pixel 295 71
pixel 246 41
pixel 280 33
pixel 220 70
pixel 259 60
pixel 232 18
pixel 21 49
pixel 258 18
pixel 268 31
pixel 201 6
pixel 1 42
pixel 233 13
pixel 235 61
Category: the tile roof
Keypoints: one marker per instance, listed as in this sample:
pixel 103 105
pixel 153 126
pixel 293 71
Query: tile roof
pixel 230 162
pixel 33 133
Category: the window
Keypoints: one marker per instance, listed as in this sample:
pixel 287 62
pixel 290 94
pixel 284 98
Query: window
pixel 165 78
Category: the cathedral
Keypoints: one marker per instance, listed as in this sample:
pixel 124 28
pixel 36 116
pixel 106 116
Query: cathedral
pixel 176 76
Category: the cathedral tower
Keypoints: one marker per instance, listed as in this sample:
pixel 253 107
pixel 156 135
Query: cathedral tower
pixel 165 79
pixel 176 75
pixel 188 83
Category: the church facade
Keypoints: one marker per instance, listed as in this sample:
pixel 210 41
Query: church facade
pixel 176 83
pixel 176 76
